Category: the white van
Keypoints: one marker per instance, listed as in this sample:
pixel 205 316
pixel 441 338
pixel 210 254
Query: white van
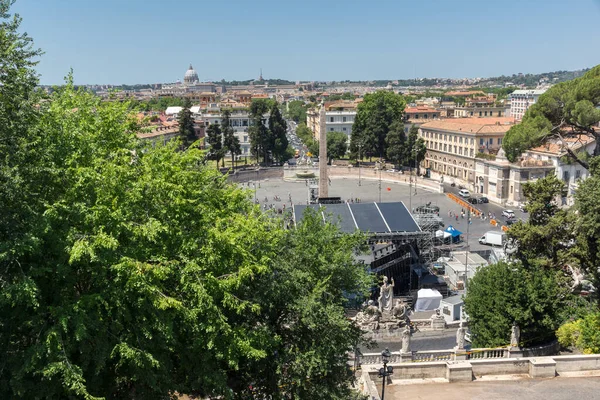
pixel 464 193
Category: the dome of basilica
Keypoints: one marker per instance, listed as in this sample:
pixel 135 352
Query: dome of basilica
pixel 190 75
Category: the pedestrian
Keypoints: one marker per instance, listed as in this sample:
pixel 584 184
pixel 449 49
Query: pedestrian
pixel 457 217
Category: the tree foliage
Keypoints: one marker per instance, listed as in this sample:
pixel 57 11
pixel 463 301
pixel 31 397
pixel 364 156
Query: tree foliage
pixel 296 111
pixel 231 143
pixel 130 271
pixel 583 333
pixel 214 138
pixel 374 118
pixel 503 293
pixel 567 108
pixel 186 124
pixel 337 144
pixel 278 142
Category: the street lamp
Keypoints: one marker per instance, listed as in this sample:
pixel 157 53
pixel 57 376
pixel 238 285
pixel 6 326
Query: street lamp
pixel 385 371
pixel 359 147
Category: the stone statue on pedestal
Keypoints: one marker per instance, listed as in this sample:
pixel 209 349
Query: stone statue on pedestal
pixel 369 317
pixel 406 335
pixel 386 295
pixel 515 335
pixel 400 312
pixel 460 336
pixel 437 321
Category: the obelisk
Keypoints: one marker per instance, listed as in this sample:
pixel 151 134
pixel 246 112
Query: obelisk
pixel 323 177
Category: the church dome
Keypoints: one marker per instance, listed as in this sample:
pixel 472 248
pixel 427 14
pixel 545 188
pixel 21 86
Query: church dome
pixel 190 75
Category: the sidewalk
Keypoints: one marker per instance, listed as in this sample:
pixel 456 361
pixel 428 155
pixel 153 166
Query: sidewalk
pixel 526 389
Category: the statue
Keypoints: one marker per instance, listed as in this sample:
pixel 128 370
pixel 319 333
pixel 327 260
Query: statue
pixel 369 317
pixel 438 315
pixel 386 295
pixel 460 336
pixel 400 311
pixel 406 334
pixel 515 335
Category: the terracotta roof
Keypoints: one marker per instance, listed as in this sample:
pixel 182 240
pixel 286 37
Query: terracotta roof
pixel 556 146
pixel 419 109
pixel 158 132
pixel 472 125
pixel 465 93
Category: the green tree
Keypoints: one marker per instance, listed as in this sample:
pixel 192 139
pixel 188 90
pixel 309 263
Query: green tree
pixel 296 110
pixel 583 333
pixel 396 143
pixel 258 132
pixel 278 141
pixel 565 109
pixel 503 293
pixel 337 144
pixel 150 274
pixel 231 142
pixel 304 133
pixel 186 124
pixel 545 239
pixel 375 115
pixel 415 148
pixel 214 138
pixel 587 208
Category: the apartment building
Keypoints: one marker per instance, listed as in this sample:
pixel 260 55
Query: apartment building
pixel 453 145
pixel 339 117
pixel 521 100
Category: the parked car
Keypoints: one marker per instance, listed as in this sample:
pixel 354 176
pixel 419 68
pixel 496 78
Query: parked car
pixel 473 200
pixel 464 193
pixel 509 214
pixel 509 222
pixel 482 200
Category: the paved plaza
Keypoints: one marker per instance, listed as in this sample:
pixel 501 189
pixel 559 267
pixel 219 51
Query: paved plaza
pixel 368 191
pixel 526 389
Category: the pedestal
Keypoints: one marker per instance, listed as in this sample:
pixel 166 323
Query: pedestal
pixel 438 324
pixel 459 372
pixel 405 357
pixel 460 354
pixel 515 352
pixel 542 367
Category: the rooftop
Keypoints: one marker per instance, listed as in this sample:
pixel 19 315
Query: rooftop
pixel 490 125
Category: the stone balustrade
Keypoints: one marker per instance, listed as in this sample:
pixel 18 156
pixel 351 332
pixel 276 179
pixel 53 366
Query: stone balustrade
pixel 466 371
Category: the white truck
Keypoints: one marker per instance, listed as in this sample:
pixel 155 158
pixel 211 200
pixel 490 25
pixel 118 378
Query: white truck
pixel 493 238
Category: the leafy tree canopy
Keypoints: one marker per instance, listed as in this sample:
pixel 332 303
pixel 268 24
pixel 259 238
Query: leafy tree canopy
pixel 565 109
pixel 374 118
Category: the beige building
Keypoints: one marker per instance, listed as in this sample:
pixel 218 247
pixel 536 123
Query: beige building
pixel 339 117
pixel 453 145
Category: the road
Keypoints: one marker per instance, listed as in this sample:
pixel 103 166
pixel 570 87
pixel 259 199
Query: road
pixel 348 188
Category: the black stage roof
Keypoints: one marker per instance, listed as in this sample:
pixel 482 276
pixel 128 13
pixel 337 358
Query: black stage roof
pixel 367 217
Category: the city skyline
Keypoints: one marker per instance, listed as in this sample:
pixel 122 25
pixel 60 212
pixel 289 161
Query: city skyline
pixel 143 42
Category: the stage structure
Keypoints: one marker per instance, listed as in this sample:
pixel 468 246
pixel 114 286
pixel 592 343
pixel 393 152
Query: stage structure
pixel 394 238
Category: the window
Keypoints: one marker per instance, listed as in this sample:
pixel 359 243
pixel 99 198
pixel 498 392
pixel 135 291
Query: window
pixel 330 129
pixel 245 138
pixel 445 147
pixel 481 142
pixel 416 116
pixel 454 149
pixel 499 141
pixel 471 153
pixel 485 114
pixel 577 174
pixel 480 113
pixel 460 151
pixel 460 140
pixel 491 140
pixel 472 141
pixel 331 119
pixel 425 116
pixel 344 129
pixel 566 176
pixel 343 119
pixel 511 189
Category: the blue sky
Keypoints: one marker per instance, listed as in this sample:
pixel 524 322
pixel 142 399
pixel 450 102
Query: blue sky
pixel 152 41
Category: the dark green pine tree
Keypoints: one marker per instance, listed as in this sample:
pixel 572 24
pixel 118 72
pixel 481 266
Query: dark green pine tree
pixel 231 142
pixel 278 141
pixel 186 124
pixel 396 143
pixel 214 139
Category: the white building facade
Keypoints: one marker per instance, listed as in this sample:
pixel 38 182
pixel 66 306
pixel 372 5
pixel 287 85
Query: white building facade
pixel 521 100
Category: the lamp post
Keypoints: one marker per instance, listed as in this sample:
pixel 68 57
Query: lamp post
pixel 385 371
pixel 380 164
pixel 359 147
